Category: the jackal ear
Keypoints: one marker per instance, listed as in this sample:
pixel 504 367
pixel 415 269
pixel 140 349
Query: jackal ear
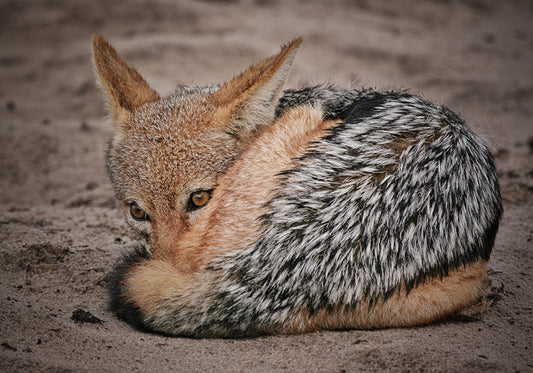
pixel 123 86
pixel 248 102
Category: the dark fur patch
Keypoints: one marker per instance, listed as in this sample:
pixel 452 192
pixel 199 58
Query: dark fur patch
pixel 363 107
pixel 119 304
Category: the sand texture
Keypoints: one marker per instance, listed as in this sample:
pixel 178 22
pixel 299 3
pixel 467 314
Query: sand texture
pixel 61 232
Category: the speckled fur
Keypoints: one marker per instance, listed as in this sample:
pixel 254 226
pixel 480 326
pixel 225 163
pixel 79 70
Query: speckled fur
pixel 346 209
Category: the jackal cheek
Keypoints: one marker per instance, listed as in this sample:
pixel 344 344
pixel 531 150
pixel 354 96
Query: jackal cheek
pixel 193 217
pixel 142 231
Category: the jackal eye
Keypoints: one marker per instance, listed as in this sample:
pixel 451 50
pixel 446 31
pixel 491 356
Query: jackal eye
pixel 199 198
pixel 138 213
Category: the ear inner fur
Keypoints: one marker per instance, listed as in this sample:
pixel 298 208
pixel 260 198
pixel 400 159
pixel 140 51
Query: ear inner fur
pixel 249 100
pixel 123 86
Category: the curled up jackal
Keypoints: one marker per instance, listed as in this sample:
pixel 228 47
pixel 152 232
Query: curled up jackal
pixel 272 211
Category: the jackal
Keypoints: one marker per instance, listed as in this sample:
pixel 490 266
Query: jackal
pixel 271 211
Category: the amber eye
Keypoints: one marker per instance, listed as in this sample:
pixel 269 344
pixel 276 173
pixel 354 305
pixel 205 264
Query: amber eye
pixel 200 198
pixel 138 213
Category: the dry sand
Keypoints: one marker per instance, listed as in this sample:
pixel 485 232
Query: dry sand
pixel 60 232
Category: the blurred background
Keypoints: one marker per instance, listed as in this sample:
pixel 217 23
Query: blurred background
pixel 60 232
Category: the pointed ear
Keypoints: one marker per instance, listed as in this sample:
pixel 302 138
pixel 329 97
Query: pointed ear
pixel 123 86
pixel 248 102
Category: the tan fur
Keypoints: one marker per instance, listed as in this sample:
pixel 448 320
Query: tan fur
pixel 151 282
pixel 433 301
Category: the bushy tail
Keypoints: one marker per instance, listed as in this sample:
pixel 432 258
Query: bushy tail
pixel 118 301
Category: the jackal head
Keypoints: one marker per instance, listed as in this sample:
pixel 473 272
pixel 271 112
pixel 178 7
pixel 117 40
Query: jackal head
pixel 166 154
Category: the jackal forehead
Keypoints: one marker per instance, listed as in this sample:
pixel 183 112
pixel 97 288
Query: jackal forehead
pixel 155 158
pixel 183 91
pixel 156 162
pixel 173 116
pixel 157 180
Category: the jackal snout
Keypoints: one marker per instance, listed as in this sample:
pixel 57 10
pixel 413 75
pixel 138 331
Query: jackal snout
pixel 165 233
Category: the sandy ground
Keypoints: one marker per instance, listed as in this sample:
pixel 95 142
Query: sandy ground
pixel 60 232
